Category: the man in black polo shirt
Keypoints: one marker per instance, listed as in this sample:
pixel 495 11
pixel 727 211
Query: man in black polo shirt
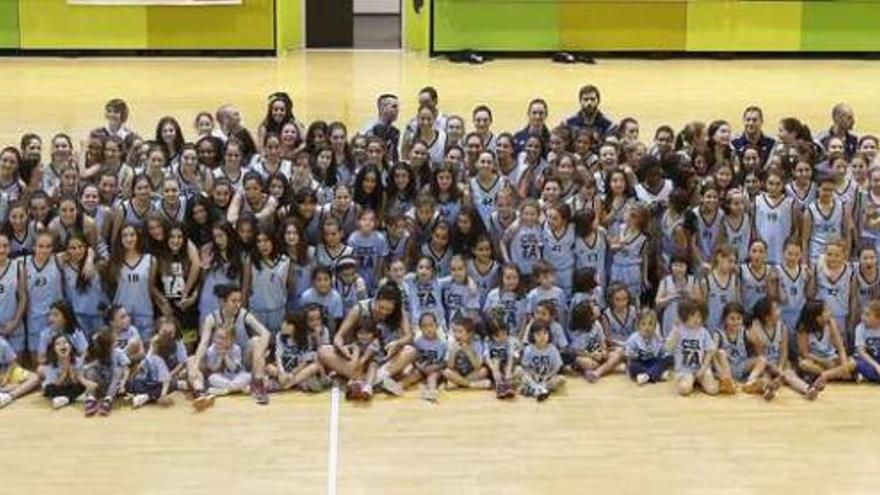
pixel 589 117
pixel 537 126
pixel 753 136
pixel 843 122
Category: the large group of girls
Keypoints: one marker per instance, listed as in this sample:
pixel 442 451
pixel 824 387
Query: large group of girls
pixel 444 253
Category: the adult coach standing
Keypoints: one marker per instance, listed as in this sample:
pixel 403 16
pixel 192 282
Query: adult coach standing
pixel 843 119
pixel 382 126
pixel 753 135
pixel 589 116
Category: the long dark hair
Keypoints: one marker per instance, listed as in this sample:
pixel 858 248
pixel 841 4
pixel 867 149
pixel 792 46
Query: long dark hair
pixel 372 200
pixel 256 256
pixel 407 194
pixel 52 357
pixel 389 291
pixel 110 272
pixel 66 311
pixel 809 319
pixel 232 254
pixel 101 347
pixel 82 282
pixel 302 248
pixel 178 138
pixel 268 122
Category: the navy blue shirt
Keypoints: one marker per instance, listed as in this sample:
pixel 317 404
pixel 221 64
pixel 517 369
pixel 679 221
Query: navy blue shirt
pixel 600 123
pixel 765 145
pixel 520 138
pixel 850 142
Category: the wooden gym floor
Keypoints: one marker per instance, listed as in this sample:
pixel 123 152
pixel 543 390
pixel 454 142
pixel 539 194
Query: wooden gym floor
pixel 611 437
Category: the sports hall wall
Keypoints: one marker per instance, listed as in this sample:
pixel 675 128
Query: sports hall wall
pixel 661 25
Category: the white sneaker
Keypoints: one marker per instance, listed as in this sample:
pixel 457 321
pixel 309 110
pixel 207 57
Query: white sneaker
pixel 218 392
pixel 59 402
pixel 139 400
pixel 859 378
pixel 642 378
pixel 5 399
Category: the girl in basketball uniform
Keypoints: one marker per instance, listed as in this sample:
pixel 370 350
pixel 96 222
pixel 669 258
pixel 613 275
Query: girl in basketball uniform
pixel 720 286
pixel 61 374
pixel 423 292
pixel 591 245
pixel 178 269
pixel 447 192
pixel 482 267
pixel 253 202
pixel 522 242
pixel 510 298
pixel 343 209
pixel 464 360
pixel 503 217
pixel 20 230
pixel 370 249
pixel 332 248
pixel 465 230
pixel 90 205
pixel 532 165
pixel 794 279
pixel 13 298
pixel 397 235
pixel 243 329
pixel 152 379
pixel 368 191
pixel 629 260
pixel 710 218
pixel 867 344
pixel 617 203
pixel 350 286
pixel 675 287
pixel 271 279
pixel 224 362
pixel 194 178
pixel 824 219
pixel 618 322
pixel 586 349
pixel 296 359
pixel 559 244
pixel 845 188
pixel 82 285
pixel 107 370
pixel 485 185
pixel 324 295
pixel 222 263
pixel 71 219
pixel 232 168
pixel 127 337
pixel 833 278
pixel 768 338
pixel 821 351
pixel 460 293
pixel 757 279
pixel 866 281
pixel 733 361
pixel 587 197
pixel 565 175
pixel 402 187
pixel 774 217
pixel 499 354
pixel 272 162
pixel 694 350
pixel 134 211
pixel 130 276
pixel 431 360
pixel 645 350
pixel 802 188
pixel 737 225
pixel 10 175
pixel 40 206
pixel 438 248
pixel 43 279
pixel 154 168
pixel 540 366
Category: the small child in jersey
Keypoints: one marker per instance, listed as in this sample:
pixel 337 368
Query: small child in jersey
pixel 822 354
pixel 500 355
pixel 547 290
pixel 464 361
pixel 732 361
pixel 460 293
pixel 693 349
pixel 176 358
pixel 152 380
pixel 585 287
pixel 349 284
pixel 15 381
pixel 646 357
pixel 423 292
pixel 107 369
pixel 867 344
pixel 62 376
pixel 540 365
pixel 225 365
pixel 586 349
pixel 365 352
pixel 509 296
pixel 295 355
pixel 431 348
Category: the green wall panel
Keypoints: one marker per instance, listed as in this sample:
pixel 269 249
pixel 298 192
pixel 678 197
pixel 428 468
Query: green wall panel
pixel 841 26
pixel 496 25
pixel 247 26
pixel 744 26
pixel 289 24
pixel 53 24
pixel 9 24
pixel 637 25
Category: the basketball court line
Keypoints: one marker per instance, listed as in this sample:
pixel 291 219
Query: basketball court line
pixel 333 439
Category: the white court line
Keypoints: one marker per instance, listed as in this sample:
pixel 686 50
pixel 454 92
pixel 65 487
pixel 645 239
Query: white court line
pixel 333 447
